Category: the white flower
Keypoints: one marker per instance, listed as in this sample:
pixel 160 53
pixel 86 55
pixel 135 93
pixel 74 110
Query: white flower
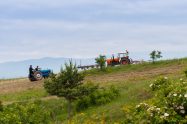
pixel 181 79
pixel 150 109
pixel 161 117
pixel 180 95
pixel 158 109
pixel 166 78
pixel 150 85
pixel 182 111
pixel 181 107
pixel 137 106
pixel 184 82
pixel 185 95
pixel 166 114
pixel 175 94
pixel 177 108
pixel 141 103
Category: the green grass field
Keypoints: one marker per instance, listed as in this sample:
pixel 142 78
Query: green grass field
pixel 132 81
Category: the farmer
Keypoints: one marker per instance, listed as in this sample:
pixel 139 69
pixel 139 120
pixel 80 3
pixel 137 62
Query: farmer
pixel 31 71
pixel 37 68
pixel 127 53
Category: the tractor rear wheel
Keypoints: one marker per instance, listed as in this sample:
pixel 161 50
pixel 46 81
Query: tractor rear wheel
pixel 38 75
pixel 125 61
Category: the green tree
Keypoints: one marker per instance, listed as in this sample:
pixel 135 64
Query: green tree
pixel 101 60
pixel 67 84
pixel 154 55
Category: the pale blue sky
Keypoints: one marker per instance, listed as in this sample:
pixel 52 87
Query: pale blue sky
pixel 85 28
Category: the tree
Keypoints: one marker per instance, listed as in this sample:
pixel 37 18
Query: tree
pixel 101 60
pixel 67 84
pixel 154 55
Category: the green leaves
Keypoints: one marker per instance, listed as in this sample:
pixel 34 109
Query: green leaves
pixel 169 104
pixel 154 55
pixel 97 97
pixel 25 113
pixel 66 83
pixel 1 106
pixel 101 61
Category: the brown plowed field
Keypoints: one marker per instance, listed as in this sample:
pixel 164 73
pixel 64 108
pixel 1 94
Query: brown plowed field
pixel 18 85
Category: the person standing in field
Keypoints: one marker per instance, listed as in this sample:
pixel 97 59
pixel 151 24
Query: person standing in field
pixel 31 71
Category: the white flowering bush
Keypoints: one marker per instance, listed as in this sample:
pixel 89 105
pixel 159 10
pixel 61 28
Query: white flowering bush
pixel 153 114
pixel 159 83
pixel 162 86
pixel 178 98
pixel 169 104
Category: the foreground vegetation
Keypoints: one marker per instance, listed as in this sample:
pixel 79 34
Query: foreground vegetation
pixel 137 99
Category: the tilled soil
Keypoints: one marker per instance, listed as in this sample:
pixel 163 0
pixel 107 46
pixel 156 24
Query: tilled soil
pixel 18 85
pixel 122 76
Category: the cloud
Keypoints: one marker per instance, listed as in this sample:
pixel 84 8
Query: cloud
pixel 86 28
pixel 99 36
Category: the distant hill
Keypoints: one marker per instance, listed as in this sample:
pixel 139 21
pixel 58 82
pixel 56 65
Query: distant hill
pixel 20 69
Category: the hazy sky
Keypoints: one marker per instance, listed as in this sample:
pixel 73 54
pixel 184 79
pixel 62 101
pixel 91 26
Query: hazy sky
pixel 85 28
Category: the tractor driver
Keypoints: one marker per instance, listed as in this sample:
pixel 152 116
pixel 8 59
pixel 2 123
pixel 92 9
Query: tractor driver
pixel 31 71
pixel 127 53
pixel 37 68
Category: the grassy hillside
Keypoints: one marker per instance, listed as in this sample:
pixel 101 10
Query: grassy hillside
pixel 132 81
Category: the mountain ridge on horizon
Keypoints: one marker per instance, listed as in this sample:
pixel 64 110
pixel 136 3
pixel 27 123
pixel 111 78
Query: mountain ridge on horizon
pixel 43 58
pixel 17 69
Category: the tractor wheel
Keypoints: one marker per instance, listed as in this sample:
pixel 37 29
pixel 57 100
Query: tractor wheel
pixel 38 75
pixel 32 79
pixel 125 61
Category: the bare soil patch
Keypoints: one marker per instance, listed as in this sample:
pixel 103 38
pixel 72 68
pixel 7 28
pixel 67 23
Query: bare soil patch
pixel 124 76
pixel 18 85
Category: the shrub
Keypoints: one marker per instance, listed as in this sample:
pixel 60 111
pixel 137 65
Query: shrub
pixel 1 106
pixel 99 97
pixel 185 72
pixel 154 114
pixel 177 99
pixel 159 83
pixel 162 86
pixel 26 113
pixel 168 106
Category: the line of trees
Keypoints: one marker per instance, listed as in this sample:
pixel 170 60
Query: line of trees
pixel 101 60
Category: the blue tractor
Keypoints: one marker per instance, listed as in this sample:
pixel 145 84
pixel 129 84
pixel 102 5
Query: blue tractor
pixel 39 74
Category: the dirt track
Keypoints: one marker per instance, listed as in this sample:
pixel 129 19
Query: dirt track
pixel 17 85
pixel 12 86
pixel 121 76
